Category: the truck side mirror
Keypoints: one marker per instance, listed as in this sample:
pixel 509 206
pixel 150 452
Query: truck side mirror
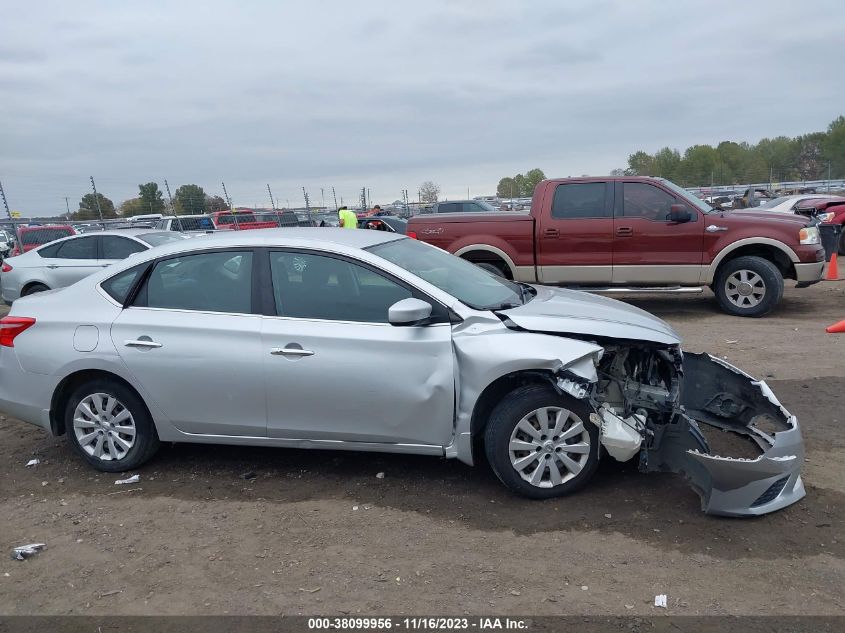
pixel 679 213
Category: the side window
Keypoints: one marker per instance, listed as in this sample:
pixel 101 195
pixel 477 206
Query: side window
pixel 118 287
pixel 449 207
pixel 308 286
pixel 580 200
pixel 81 248
pixel 471 207
pixel 641 200
pixel 49 251
pixel 213 282
pixel 119 247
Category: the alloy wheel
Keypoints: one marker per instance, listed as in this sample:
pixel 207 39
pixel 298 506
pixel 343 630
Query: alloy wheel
pixel 745 289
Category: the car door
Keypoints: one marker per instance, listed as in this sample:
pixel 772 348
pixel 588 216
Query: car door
pixel 648 247
pixel 192 340
pixel 74 259
pixel 337 370
pixel 114 248
pixel 575 239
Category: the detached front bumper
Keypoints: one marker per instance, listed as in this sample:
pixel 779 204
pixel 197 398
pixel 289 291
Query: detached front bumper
pixel 718 398
pixel 808 274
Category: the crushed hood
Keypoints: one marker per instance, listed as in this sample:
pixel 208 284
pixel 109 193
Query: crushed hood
pixel 576 312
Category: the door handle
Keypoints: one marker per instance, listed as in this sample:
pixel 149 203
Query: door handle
pixel 624 230
pixel 551 233
pixel 52 266
pixel 141 343
pixel 713 228
pixel 291 351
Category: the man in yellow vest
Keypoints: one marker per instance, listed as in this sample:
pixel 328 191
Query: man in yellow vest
pixel 348 219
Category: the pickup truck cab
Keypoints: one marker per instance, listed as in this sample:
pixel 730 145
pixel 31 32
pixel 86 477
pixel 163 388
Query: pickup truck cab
pixel 239 221
pixel 636 234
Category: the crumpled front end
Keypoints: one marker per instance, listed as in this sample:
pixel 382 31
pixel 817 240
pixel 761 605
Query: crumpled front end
pixel 738 446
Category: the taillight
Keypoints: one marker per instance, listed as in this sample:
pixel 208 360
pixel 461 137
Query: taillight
pixel 412 235
pixel 11 326
pixel 6 268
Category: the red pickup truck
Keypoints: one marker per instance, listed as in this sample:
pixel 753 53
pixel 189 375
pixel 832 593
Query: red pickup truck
pixel 239 221
pixel 636 234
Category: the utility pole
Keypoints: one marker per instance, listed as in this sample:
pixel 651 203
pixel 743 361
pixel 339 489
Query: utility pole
pixel 231 208
pixel 323 198
pixel 363 199
pixel 67 206
pixel 5 204
pixel 828 176
pixel 172 207
pixel 334 195
pixel 272 202
pixel 97 198
pixel 308 207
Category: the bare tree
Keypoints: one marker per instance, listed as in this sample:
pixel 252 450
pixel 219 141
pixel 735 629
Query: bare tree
pixel 429 191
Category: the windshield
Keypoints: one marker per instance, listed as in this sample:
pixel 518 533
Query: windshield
pixel 698 203
pixel 157 239
pixel 487 206
pixel 774 202
pixel 466 282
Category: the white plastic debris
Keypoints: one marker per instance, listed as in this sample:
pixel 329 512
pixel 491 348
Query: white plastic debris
pixel 134 479
pixel 660 600
pixel 584 588
pixel 25 551
pixel 731 342
pixel 379 475
pixel 33 462
pixel 354 508
pixel 621 438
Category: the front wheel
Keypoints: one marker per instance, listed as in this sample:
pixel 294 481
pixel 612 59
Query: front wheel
pixel 541 444
pixel 109 426
pixel 748 286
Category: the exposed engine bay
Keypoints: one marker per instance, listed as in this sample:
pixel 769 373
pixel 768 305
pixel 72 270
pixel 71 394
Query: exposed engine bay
pixel 698 416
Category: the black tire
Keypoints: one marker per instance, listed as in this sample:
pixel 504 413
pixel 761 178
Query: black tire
pixel 146 440
pixel 503 421
pixel 767 274
pixel 31 290
pixel 490 267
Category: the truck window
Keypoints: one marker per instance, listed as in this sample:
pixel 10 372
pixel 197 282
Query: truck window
pixel 449 207
pixel 641 200
pixel 579 200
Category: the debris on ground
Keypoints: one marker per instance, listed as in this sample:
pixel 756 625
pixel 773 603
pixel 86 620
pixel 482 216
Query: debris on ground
pixel 379 475
pixel 660 600
pixel 608 516
pixel 249 476
pixel 584 587
pixel 134 479
pixel 33 462
pixel 25 551
pixel 731 342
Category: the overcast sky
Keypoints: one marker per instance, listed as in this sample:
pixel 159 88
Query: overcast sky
pixel 389 94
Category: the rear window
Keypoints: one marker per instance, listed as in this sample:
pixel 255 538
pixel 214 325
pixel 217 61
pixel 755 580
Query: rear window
pixel 42 236
pixel 157 239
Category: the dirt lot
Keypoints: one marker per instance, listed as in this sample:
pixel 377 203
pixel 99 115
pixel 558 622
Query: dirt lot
pixel 318 533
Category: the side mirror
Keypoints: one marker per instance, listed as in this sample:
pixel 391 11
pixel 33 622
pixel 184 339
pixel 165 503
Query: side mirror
pixel 408 312
pixel 679 213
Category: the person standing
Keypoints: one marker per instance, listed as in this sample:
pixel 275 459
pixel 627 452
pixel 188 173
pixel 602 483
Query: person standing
pixel 348 219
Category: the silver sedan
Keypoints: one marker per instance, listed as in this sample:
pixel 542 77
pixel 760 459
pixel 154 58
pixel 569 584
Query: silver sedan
pixel 277 338
pixel 66 261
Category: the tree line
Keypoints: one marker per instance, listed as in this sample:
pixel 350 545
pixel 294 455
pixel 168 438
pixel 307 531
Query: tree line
pixel 188 199
pixel 814 156
pixel 520 186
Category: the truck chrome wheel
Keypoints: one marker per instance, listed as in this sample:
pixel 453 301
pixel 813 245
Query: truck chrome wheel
pixel 745 289
pixel 549 446
pixel 104 427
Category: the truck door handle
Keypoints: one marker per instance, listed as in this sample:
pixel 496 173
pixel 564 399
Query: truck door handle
pixel 624 230
pixel 291 351
pixel 147 344
pixel 551 233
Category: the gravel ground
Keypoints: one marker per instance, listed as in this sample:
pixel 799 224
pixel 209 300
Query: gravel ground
pixel 318 533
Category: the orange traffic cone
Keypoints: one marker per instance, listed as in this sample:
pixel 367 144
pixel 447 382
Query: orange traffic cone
pixel 836 328
pixel 832 269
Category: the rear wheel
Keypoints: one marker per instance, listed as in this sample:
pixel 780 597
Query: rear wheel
pixel 541 444
pixel 31 290
pixel 109 426
pixel 749 286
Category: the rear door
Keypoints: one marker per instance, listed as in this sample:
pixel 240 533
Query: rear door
pixel 114 248
pixel 649 248
pixel 192 340
pixel 73 260
pixel 575 238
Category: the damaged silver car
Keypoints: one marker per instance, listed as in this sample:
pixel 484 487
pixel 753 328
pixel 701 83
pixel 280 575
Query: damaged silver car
pixel 370 341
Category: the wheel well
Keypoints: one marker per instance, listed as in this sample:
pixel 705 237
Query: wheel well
pixel 771 253
pixel 478 257
pixel 31 284
pixel 68 385
pixel 493 394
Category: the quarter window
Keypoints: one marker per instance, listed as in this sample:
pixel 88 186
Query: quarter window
pixel 118 287
pixel 212 282
pixel 580 200
pixel 641 200
pixel 312 286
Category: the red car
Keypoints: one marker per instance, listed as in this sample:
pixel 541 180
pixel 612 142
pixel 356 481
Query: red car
pixel 829 211
pixel 239 221
pixel 632 234
pixel 34 236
